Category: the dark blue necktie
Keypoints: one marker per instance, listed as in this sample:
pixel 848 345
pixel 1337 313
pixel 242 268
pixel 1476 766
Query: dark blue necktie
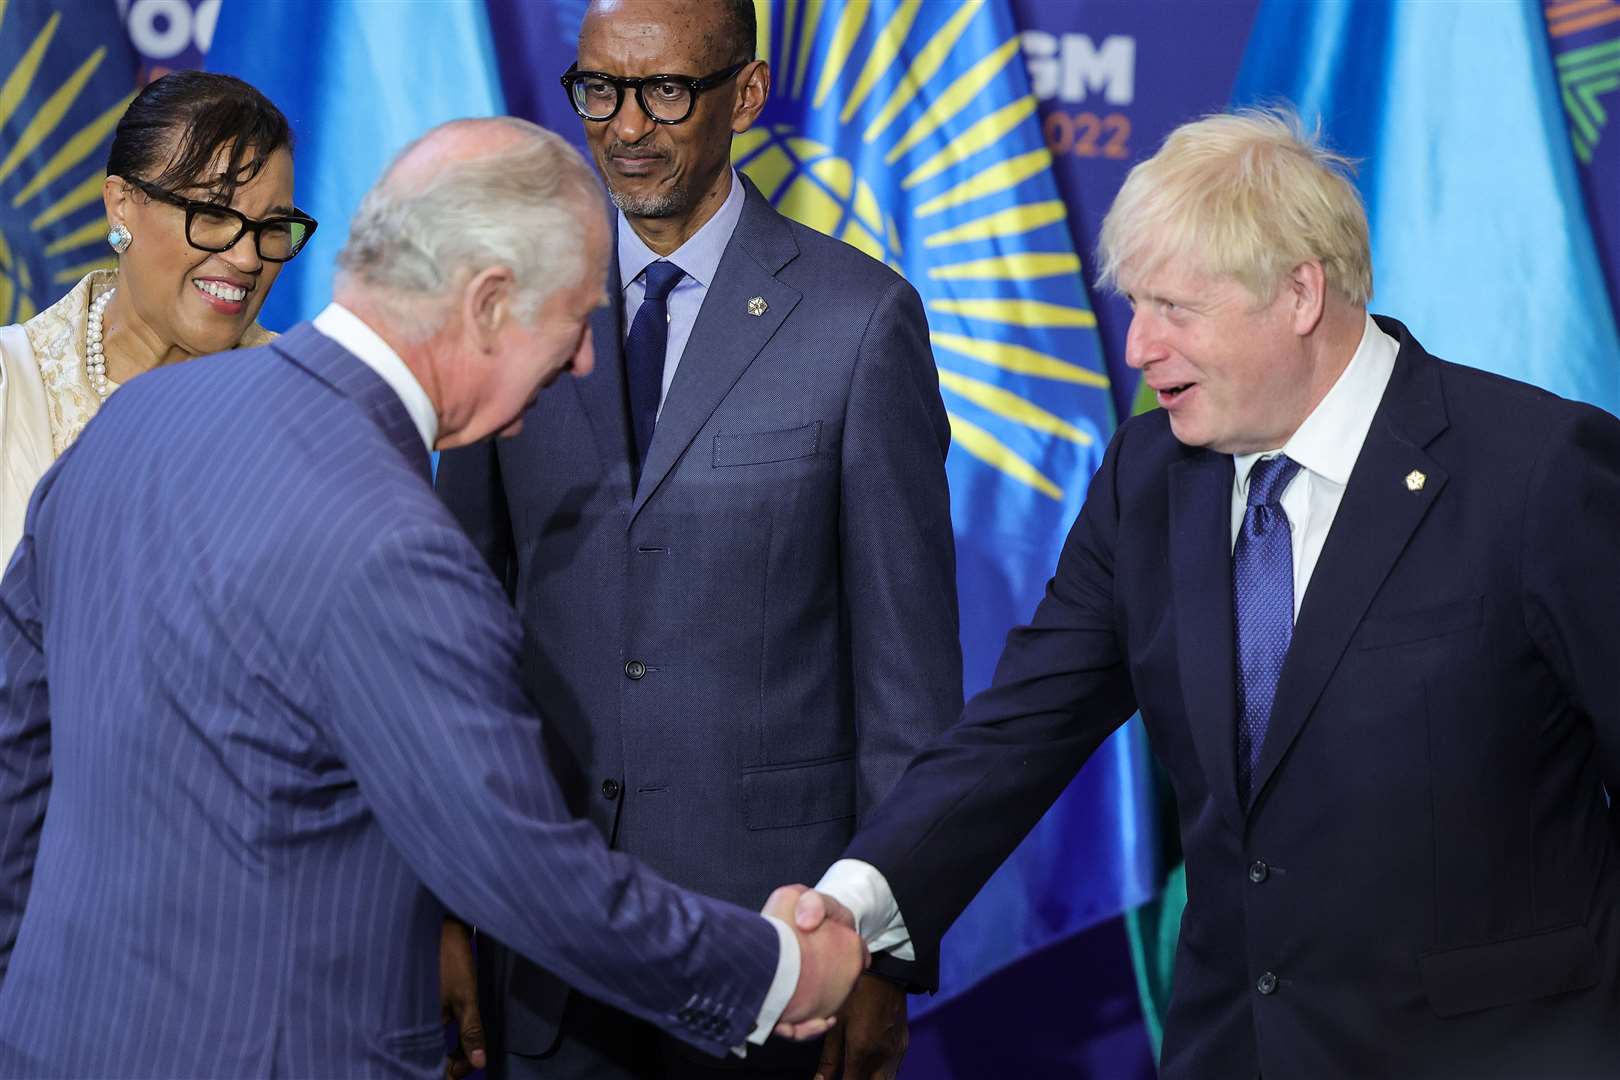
pixel 1263 602
pixel 644 353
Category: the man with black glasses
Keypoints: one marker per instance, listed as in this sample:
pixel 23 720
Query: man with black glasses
pixel 730 544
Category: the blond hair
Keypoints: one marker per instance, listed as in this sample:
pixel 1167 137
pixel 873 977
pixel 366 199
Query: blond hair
pixel 1247 195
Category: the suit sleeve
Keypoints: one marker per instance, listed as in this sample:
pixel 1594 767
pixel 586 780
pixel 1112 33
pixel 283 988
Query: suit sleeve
pixel 1571 561
pixel 898 555
pixel 25 740
pixel 421 672
pixel 1060 687
pixel 469 482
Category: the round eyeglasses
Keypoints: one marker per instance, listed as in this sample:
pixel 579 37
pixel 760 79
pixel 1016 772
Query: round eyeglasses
pixel 667 99
pixel 212 227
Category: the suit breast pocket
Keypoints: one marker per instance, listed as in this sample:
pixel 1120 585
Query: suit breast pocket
pixel 1423 624
pixel 799 794
pixel 764 447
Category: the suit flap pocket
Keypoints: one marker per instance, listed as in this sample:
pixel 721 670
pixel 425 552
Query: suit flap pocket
pixel 760 447
pixel 1503 972
pixel 419 1046
pixel 1381 631
pixel 799 794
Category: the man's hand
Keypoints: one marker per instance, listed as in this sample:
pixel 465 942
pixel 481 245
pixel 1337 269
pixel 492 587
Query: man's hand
pixel 831 957
pixel 811 909
pixel 871 1037
pixel 458 998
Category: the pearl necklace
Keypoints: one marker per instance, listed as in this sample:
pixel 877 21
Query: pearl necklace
pixel 95 361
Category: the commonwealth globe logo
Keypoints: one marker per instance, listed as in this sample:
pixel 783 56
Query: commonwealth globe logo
pixel 59 104
pixel 907 130
pixel 809 183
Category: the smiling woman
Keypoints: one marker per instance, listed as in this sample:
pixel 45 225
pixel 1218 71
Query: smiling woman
pixel 199 207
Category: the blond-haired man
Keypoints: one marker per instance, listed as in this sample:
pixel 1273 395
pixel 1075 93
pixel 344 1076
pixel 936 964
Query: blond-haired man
pixel 1366 602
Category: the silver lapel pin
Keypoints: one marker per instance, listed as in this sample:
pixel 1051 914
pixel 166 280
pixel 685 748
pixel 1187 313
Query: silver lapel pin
pixel 757 306
pixel 1414 480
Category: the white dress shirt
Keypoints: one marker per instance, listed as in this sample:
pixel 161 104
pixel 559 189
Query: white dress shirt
pixel 350 331
pixel 1326 446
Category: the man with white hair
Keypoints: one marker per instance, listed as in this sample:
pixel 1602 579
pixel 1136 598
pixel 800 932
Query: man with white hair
pixel 1366 603
pixel 260 709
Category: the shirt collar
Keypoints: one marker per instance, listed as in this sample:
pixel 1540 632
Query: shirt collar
pixel 699 257
pixel 1329 441
pixel 348 330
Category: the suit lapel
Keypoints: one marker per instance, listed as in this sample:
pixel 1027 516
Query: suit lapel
pixel 726 337
pixel 353 378
pixel 601 393
pixel 1374 522
pixel 1201 574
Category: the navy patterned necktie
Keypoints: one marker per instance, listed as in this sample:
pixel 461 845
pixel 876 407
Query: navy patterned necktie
pixel 644 353
pixel 1263 604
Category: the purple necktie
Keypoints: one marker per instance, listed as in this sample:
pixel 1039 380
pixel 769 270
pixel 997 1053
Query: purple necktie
pixel 644 353
pixel 1263 603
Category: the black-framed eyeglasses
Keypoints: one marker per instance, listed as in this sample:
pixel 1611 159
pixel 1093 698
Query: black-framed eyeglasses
pixel 667 99
pixel 212 227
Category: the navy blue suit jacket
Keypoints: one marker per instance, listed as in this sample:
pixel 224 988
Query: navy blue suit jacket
pixel 260 716
pixel 737 653
pixel 1425 883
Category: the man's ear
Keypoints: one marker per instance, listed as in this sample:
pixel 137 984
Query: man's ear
pixel 1306 285
pixel 753 88
pixel 486 302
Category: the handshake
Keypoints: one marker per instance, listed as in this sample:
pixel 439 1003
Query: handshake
pixel 831 957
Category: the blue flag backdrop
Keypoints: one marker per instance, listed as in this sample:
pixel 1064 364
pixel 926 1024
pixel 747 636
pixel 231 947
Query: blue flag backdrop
pixel 67 78
pixel 357 80
pixel 902 127
pixel 1480 237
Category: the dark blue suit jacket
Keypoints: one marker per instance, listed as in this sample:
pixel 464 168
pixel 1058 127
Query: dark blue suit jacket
pixel 737 654
pixel 260 716
pixel 1426 881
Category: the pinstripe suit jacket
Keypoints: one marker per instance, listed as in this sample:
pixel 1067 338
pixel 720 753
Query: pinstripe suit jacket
pixel 260 715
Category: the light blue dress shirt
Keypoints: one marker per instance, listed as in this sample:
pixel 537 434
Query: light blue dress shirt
pixel 699 257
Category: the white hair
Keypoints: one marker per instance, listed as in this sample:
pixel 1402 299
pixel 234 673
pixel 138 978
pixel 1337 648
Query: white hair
pixel 1247 195
pixel 524 205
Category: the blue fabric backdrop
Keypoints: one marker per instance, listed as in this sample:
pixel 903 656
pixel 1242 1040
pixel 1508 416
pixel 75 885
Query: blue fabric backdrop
pixel 1491 168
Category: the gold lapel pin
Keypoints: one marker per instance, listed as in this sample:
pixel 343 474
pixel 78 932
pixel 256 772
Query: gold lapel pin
pixel 1414 480
pixel 757 306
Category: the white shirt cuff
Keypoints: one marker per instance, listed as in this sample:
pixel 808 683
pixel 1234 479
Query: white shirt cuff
pixel 862 888
pixel 782 987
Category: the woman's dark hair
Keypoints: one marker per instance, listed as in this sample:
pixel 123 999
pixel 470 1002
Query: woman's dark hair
pixel 180 122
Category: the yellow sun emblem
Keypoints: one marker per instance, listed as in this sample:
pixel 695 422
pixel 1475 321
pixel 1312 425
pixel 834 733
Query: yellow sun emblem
pixel 56 118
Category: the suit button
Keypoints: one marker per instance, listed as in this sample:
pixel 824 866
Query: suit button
pixel 635 669
pixel 610 790
pixel 1266 984
pixel 1258 871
